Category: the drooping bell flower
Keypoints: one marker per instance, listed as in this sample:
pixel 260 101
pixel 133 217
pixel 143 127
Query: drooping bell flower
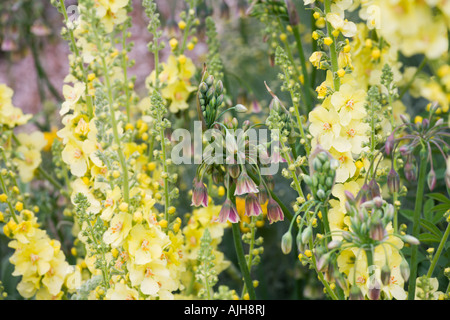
pixel 393 181
pixel 228 212
pixel 274 212
pixel 199 194
pixel 252 206
pixel 245 185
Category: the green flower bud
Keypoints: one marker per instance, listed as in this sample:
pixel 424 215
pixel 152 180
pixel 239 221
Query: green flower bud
pixel 286 243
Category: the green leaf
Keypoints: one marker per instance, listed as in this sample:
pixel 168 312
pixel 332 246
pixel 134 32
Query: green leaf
pixel 428 209
pixel 439 197
pixel 407 213
pixel 428 237
pixel 431 227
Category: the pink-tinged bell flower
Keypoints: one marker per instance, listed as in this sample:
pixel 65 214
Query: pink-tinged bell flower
pixel 245 185
pixel 252 206
pixel 199 194
pixel 228 212
pixel 274 212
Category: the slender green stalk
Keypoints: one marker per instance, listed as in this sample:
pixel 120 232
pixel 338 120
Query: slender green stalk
pixel 166 177
pixel 416 222
pixel 301 53
pixel 298 188
pixel 333 53
pixel 5 191
pixel 439 251
pixel 242 261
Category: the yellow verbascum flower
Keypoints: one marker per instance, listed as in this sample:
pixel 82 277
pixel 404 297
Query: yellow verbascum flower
pixel 29 152
pixel 10 115
pixel 176 77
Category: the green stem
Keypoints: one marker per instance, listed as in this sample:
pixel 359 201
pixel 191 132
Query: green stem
pixel 5 191
pixel 439 251
pixel 166 178
pixel 301 54
pixel 333 54
pixel 242 261
pixel 416 222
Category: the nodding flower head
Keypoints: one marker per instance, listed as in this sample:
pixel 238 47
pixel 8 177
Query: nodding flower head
pixel 274 212
pixel 252 206
pixel 199 194
pixel 245 185
pixel 228 212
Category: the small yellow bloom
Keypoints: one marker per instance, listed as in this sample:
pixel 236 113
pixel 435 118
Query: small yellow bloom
pixel 328 41
pixel 173 43
pixel 376 53
pixel 182 25
pixel 283 37
pixel 418 119
pixel 341 73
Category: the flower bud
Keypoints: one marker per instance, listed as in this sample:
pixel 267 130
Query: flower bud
pixel 385 275
pixel 355 293
pixel 240 108
pixel 323 261
pixel 306 234
pixel 389 146
pixel 410 239
pixel 393 181
pixel 374 290
pixel 203 87
pixel 286 243
pixel 410 171
pixel 404 270
pixel 234 170
pixel 431 179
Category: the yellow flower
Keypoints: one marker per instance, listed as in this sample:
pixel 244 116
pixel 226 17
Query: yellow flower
pixel 347 28
pixel 146 244
pixel 30 154
pixel 120 226
pixel 10 115
pixel 326 129
pixel 349 103
pixel 346 167
pixel 121 291
pixel 71 96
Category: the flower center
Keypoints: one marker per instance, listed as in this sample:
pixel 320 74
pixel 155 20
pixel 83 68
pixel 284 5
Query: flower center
pixel 327 126
pixel 351 133
pixel 117 227
pixel 77 153
pixel 34 258
pixel 350 103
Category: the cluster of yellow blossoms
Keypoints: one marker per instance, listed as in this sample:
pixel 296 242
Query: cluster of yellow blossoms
pixel 339 125
pixel 36 257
